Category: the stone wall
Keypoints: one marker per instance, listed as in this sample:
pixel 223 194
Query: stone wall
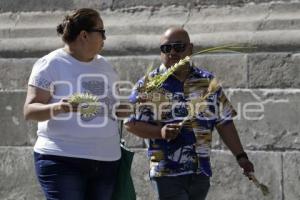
pixel 263 84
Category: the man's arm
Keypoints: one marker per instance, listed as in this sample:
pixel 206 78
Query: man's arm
pixel 146 130
pixel 229 135
pixel 143 129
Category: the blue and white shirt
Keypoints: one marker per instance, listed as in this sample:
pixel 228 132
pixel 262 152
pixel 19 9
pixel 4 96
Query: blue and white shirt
pixel 190 151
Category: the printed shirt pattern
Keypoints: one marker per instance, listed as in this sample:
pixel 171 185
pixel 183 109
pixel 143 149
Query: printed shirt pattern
pixel 190 151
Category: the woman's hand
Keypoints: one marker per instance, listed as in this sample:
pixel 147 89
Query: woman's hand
pixel 64 106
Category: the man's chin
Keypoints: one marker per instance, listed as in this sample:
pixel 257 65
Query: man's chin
pixel 173 62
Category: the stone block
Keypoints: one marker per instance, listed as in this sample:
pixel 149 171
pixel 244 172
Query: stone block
pixel 18 180
pixel 228 182
pixel 132 68
pixel 291 175
pixel 15 131
pixel 274 70
pixel 132 141
pixel 268 119
pixel 230 69
pixel 14 73
pixel 140 175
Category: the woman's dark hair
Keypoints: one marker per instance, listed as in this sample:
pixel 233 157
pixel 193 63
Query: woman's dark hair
pixel 81 19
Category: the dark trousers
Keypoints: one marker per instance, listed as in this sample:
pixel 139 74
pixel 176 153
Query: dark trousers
pixel 184 187
pixel 66 178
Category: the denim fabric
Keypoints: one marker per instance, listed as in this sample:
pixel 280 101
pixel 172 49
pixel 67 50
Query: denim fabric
pixel 66 178
pixel 184 187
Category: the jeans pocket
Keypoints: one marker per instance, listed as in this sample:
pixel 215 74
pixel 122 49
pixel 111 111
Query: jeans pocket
pixel 45 165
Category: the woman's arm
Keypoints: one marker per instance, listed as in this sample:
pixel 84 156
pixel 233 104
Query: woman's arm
pixel 36 106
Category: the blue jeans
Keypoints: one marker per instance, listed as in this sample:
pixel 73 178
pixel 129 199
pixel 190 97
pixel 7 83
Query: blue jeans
pixel 184 187
pixel 66 178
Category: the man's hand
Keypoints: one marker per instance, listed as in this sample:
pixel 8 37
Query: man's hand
pixel 247 166
pixel 170 131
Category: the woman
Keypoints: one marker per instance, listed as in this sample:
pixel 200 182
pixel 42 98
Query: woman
pixel 76 155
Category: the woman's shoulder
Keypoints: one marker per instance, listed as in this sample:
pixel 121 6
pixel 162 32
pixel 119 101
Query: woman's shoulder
pixel 50 60
pixel 104 63
pixel 56 55
pixel 102 59
pixel 53 55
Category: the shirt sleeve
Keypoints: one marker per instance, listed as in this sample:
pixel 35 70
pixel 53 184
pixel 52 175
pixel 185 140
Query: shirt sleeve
pixel 133 97
pixel 143 112
pixel 226 110
pixel 41 75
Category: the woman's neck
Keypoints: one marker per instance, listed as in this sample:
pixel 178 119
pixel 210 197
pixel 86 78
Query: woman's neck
pixel 77 53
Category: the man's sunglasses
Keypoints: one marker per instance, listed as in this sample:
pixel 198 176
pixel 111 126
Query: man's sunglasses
pixel 101 31
pixel 178 47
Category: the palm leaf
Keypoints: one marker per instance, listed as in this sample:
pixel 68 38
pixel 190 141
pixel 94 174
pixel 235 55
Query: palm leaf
pixel 154 83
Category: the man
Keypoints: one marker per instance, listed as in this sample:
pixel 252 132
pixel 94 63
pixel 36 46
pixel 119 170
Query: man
pixel 179 151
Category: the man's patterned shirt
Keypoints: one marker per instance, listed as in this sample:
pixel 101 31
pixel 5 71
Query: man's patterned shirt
pixel 189 152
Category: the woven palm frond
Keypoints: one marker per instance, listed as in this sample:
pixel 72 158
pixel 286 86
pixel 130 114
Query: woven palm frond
pixel 88 103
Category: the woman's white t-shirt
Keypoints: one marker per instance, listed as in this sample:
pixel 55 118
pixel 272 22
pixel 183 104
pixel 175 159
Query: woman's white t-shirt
pixel 73 134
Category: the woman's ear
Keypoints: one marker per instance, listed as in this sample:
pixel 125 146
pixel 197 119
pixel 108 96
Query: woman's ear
pixel 83 34
pixel 191 47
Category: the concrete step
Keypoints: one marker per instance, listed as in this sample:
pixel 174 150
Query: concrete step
pixel 50 5
pixel 42 24
pixel 269 41
pixel 269 27
pixel 127 4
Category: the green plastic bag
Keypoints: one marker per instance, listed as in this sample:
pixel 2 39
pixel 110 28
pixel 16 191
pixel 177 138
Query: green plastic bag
pixel 124 189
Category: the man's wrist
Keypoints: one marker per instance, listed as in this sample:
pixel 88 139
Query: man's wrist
pixel 239 156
